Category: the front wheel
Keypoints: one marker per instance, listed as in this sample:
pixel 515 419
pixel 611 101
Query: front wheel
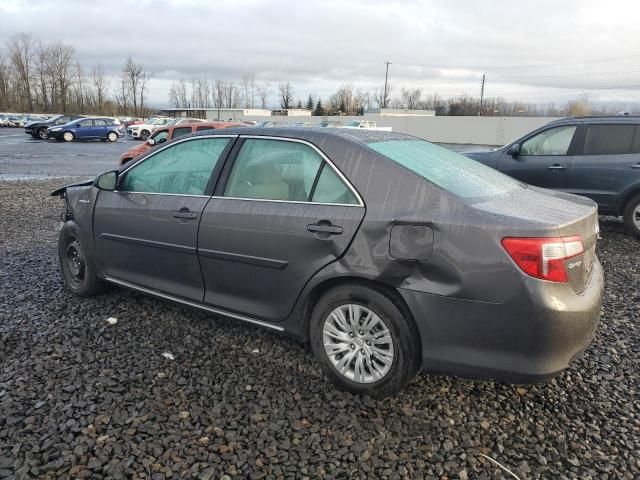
pixel 631 216
pixel 42 134
pixel 365 342
pixel 78 269
pixel 68 137
pixel 144 134
pixel 112 137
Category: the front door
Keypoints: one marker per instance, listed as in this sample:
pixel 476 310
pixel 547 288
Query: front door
pixel 282 214
pixel 543 160
pixel 84 129
pixel 146 231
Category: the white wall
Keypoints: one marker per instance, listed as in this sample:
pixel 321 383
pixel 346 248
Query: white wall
pixel 471 130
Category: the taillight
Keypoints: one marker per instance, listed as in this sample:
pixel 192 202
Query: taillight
pixel 543 257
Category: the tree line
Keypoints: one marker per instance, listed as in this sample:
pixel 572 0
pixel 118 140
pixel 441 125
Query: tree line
pixel 38 76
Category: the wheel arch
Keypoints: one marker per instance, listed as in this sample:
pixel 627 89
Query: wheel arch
pixel 626 197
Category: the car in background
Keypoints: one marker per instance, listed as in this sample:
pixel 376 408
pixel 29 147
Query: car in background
pixel 386 253
pixel 15 121
pixel 91 128
pixel 180 121
pixel 167 134
pixel 596 156
pixel 38 128
pixel 331 124
pixel 367 125
pixel 143 130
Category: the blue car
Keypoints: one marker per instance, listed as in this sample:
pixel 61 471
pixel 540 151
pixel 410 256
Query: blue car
pixel 88 129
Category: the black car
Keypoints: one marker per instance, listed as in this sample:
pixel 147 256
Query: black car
pixel 39 129
pixel 597 156
pixel 387 253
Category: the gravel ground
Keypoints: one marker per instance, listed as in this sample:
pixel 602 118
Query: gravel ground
pixel 82 398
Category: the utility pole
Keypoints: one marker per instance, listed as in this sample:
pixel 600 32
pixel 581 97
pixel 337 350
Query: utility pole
pixel 482 94
pixel 386 79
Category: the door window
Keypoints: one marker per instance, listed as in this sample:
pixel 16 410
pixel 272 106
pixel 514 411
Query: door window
pixel 161 136
pixel 184 168
pixel 85 123
pixel 555 141
pixel 99 123
pixel 331 189
pixel 608 139
pixel 63 120
pixel 177 132
pixel 273 170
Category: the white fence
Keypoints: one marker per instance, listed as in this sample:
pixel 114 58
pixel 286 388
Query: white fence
pixel 462 130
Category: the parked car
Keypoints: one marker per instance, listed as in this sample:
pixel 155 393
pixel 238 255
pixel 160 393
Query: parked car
pixel 169 133
pixel 88 129
pixel 388 253
pixel 38 128
pixel 598 157
pixel 15 121
pixel 366 124
pixel 143 130
pixel 181 121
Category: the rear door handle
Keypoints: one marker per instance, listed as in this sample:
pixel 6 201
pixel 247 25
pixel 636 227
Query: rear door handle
pixel 186 214
pixel 326 228
pixel 556 166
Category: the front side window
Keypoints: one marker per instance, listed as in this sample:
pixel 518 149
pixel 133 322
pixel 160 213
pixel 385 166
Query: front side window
pixel 555 141
pixel 85 123
pixel 273 170
pixel 161 136
pixel 608 139
pixel 450 171
pixel 177 132
pixel 184 168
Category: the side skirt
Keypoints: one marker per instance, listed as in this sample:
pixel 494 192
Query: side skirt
pixel 164 296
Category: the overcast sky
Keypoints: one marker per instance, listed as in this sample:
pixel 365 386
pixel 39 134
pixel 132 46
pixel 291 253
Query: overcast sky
pixel 535 51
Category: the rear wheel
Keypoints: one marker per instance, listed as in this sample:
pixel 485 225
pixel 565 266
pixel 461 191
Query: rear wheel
pixel 364 340
pixel 68 136
pixel 631 216
pixel 112 137
pixel 42 134
pixel 78 269
pixel 144 134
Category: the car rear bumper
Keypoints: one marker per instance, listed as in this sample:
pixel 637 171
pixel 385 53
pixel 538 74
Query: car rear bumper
pixel 533 336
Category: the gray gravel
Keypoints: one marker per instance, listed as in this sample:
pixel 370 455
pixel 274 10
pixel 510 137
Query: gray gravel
pixel 81 398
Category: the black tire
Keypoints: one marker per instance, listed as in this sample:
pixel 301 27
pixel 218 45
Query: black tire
pixel 631 216
pixel 404 334
pixel 144 134
pixel 42 134
pixel 81 277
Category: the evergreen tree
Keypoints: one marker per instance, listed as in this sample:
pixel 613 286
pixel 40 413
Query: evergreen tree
pixel 343 107
pixel 319 111
pixel 310 103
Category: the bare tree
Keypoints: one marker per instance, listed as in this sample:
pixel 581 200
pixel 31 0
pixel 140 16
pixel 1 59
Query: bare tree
pixel 286 94
pixel 380 98
pixel 411 98
pixel 21 51
pixel 100 85
pixel 264 91
pixel 123 94
pixel 133 73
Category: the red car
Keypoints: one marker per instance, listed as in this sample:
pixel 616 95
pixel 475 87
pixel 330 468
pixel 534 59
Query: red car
pixel 165 134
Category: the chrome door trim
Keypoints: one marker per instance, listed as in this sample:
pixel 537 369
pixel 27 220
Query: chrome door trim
pixel 217 311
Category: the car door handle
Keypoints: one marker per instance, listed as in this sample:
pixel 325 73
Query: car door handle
pixel 556 167
pixel 326 228
pixel 185 214
pixel 637 165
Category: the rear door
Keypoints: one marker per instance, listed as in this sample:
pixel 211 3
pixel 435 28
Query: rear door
pixel 145 232
pixel 100 128
pixel 544 158
pixel 280 213
pixel 606 163
pixel 84 129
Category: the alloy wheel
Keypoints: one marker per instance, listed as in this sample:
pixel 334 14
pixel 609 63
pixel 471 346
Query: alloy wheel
pixel 358 343
pixel 42 134
pixel 68 136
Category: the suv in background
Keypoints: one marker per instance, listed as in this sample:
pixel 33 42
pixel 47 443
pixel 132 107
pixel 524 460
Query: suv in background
pixel 166 134
pixel 597 157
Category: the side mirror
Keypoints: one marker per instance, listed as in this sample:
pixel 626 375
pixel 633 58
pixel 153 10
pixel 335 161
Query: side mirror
pixel 151 141
pixel 106 181
pixel 514 150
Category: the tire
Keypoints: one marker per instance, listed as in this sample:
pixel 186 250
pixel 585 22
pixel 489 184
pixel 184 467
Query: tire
pixel 112 136
pixel 144 134
pixel 631 216
pixel 42 134
pixel 78 269
pixel 68 136
pixel 379 375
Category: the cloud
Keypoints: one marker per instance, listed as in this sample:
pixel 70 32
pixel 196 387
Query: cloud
pixel 437 45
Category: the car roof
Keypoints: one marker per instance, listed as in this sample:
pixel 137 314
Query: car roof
pixel 600 119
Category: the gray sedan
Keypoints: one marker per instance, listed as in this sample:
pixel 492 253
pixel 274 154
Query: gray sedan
pixel 386 253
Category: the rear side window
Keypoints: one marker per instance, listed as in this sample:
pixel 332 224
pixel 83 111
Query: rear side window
pixel 204 127
pixel 450 171
pixel 99 123
pixel 608 139
pixel 177 132
pixel 273 170
pixel 184 168
pixel 555 141
pixel 331 189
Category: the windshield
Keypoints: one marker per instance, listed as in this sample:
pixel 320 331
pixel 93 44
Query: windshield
pixel 450 171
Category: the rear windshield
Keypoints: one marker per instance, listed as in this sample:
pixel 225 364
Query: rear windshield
pixel 450 171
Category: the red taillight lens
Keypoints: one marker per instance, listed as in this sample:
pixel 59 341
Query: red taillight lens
pixel 543 257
